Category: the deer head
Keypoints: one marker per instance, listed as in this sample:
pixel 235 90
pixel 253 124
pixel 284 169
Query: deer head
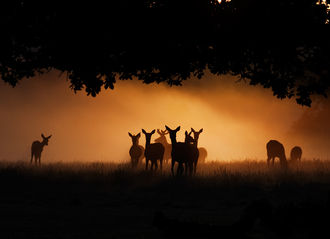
pixel 189 139
pixel 196 133
pixel 135 138
pixel 45 139
pixel 148 135
pixel 172 132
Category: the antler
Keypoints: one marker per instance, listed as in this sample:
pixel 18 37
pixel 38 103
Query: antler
pixel 164 132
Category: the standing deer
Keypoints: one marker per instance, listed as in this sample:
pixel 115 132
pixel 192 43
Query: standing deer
pixel 202 151
pixel 136 151
pixel 181 152
pixel 153 152
pixel 194 153
pixel 295 154
pixel 167 146
pixel 37 147
pixel 276 149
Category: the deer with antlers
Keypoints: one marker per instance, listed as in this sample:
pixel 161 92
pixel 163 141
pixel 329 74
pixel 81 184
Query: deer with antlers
pixel 168 147
pixel 136 151
pixel 37 147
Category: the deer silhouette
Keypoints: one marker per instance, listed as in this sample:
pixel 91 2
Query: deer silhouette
pixel 167 146
pixel 37 147
pixel 136 151
pixel 153 152
pixel 276 149
pixel 181 152
pixel 193 153
pixel 295 154
pixel 202 151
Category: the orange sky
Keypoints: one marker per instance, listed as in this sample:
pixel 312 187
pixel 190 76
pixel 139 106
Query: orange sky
pixel 238 119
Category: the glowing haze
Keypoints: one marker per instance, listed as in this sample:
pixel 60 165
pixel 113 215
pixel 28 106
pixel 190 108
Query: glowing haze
pixel 237 119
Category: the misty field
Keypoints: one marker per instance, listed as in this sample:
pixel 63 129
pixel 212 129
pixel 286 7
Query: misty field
pixel 105 200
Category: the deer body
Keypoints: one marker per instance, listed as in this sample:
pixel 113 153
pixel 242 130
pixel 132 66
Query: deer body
pixel 136 151
pixel 295 154
pixel 276 149
pixel 193 153
pixel 202 153
pixel 153 152
pixel 181 152
pixel 167 146
pixel 37 147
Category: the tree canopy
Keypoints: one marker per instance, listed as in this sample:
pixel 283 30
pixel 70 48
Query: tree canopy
pixel 280 44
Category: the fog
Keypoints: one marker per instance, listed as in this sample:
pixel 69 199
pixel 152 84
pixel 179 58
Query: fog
pixel 238 119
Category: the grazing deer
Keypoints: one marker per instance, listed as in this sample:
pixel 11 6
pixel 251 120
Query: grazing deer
pixel 276 149
pixel 136 151
pixel 194 153
pixel 167 146
pixel 181 152
pixel 37 147
pixel 153 152
pixel 295 154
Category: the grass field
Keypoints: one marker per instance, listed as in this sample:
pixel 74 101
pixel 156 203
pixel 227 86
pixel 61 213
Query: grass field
pixel 106 200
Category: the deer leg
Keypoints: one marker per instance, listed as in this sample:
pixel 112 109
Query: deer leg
pixel 147 161
pixel 172 167
pixel 181 169
pixel 161 164
pixel 178 171
pixel 156 165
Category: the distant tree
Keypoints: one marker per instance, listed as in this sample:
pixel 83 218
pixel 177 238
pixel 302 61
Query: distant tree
pixel 280 44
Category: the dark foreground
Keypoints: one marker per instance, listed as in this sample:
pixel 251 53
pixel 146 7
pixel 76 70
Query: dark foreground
pixel 244 199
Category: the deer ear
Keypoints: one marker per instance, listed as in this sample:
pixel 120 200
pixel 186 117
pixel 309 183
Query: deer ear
pixel 193 130
pixel 130 134
pixel 186 133
pixel 138 135
pixel 190 133
pixel 49 136
pixel 201 130
pixel 152 132
pixel 167 128
pixel 143 131
pixel 178 128
pixel 43 136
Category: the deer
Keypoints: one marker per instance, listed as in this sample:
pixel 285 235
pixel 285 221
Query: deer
pixel 153 152
pixel 194 153
pixel 276 149
pixel 295 154
pixel 37 147
pixel 202 151
pixel 136 151
pixel 181 152
pixel 167 146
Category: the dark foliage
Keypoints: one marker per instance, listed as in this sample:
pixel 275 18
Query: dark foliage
pixel 280 44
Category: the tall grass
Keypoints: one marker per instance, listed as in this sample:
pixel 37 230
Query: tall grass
pixel 244 171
